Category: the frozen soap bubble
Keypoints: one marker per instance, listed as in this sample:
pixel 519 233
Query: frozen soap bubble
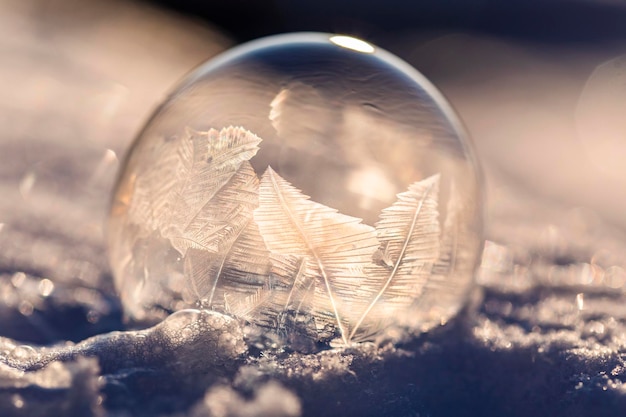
pixel 310 184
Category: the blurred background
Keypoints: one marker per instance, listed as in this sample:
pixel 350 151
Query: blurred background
pixel 540 85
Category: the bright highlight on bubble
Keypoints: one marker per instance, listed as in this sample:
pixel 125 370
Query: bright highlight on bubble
pixel 355 44
pixel 317 194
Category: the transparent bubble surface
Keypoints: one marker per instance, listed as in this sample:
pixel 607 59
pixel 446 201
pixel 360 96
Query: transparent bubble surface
pixel 311 185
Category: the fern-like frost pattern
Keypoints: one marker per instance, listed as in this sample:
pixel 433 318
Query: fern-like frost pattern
pixel 335 248
pixel 261 250
pixel 408 232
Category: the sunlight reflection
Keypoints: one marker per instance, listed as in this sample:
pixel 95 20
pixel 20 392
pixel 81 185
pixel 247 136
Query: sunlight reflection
pixel 580 301
pixel 354 44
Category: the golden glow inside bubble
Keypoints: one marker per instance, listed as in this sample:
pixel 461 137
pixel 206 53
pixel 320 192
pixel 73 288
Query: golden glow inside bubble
pixel 309 184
